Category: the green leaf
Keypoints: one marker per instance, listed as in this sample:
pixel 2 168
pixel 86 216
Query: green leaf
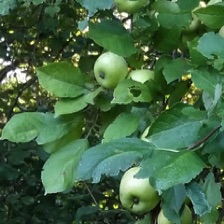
pixel 84 212
pixel 210 102
pixel 8 173
pixel 165 6
pixel 212 15
pixel 112 36
pixel 62 79
pixel 196 57
pixel 124 125
pixel 112 157
pixel 129 91
pixel 179 127
pixel 206 79
pixel 18 156
pixel 44 127
pixel 70 105
pixel 175 69
pixel 198 199
pixel 180 89
pixel 172 201
pixel 187 5
pixel 52 9
pixel 212 191
pixel 6 6
pixel 24 127
pixel 167 39
pixel 59 171
pixel 93 5
pixel 170 15
pixel 75 131
pixel 215 145
pixel 210 217
pixel 167 169
pixel 211 45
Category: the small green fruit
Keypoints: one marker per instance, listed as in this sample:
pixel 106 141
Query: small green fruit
pixel 137 195
pixel 110 69
pixel 141 75
pixel 221 32
pixel 130 6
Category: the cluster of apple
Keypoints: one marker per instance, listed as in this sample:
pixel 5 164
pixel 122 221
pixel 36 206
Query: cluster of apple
pixel 139 197
pixel 110 69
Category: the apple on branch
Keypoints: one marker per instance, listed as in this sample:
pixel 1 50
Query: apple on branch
pixel 110 69
pixel 130 6
pixel 136 194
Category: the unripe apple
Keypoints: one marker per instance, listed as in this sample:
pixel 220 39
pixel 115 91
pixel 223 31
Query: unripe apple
pixel 130 6
pixel 186 217
pixel 195 22
pixel 136 194
pixel 141 75
pixel 221 32
pixel 110 69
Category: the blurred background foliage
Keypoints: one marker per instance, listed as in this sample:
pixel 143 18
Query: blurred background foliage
pixel 34 33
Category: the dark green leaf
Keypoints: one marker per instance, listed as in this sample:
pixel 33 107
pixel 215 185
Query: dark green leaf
pixel 129 91
pixel 70 105
pixel 169 168
pixel 211 45
pixel 212 15
pixel 206 79
pixel 212 191
pixel 178 92
pixel 198 199
pixel 8 173
pixel 216 145
pixel 60 170
pixel 85 211
pixel 111 158
pixel 179 127
pixel 176 69
pixel 211 102
pixel 62 79
pixel 167 39
pixel 44 127
pixel 196 57
pixel 210 217
pixel 6 5
pixel 172 202
pixel 112 35
pixel 123 126
pixel 93 5
pixel 170 15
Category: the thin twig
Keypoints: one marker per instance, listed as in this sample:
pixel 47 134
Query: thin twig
pixel 204 139
pixel 20 92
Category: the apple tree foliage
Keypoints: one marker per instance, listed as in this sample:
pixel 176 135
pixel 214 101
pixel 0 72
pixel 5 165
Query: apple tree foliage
pixel 65 140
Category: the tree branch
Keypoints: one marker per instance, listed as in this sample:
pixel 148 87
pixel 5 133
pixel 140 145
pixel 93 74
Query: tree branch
pixel 204 139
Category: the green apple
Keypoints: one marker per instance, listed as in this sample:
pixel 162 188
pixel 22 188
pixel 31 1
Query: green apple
pixel 130 6
pixel 141 75
pixel 110 69
pixel 221 32
pixel 186 217
pixel 195 22
pixel 137 195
